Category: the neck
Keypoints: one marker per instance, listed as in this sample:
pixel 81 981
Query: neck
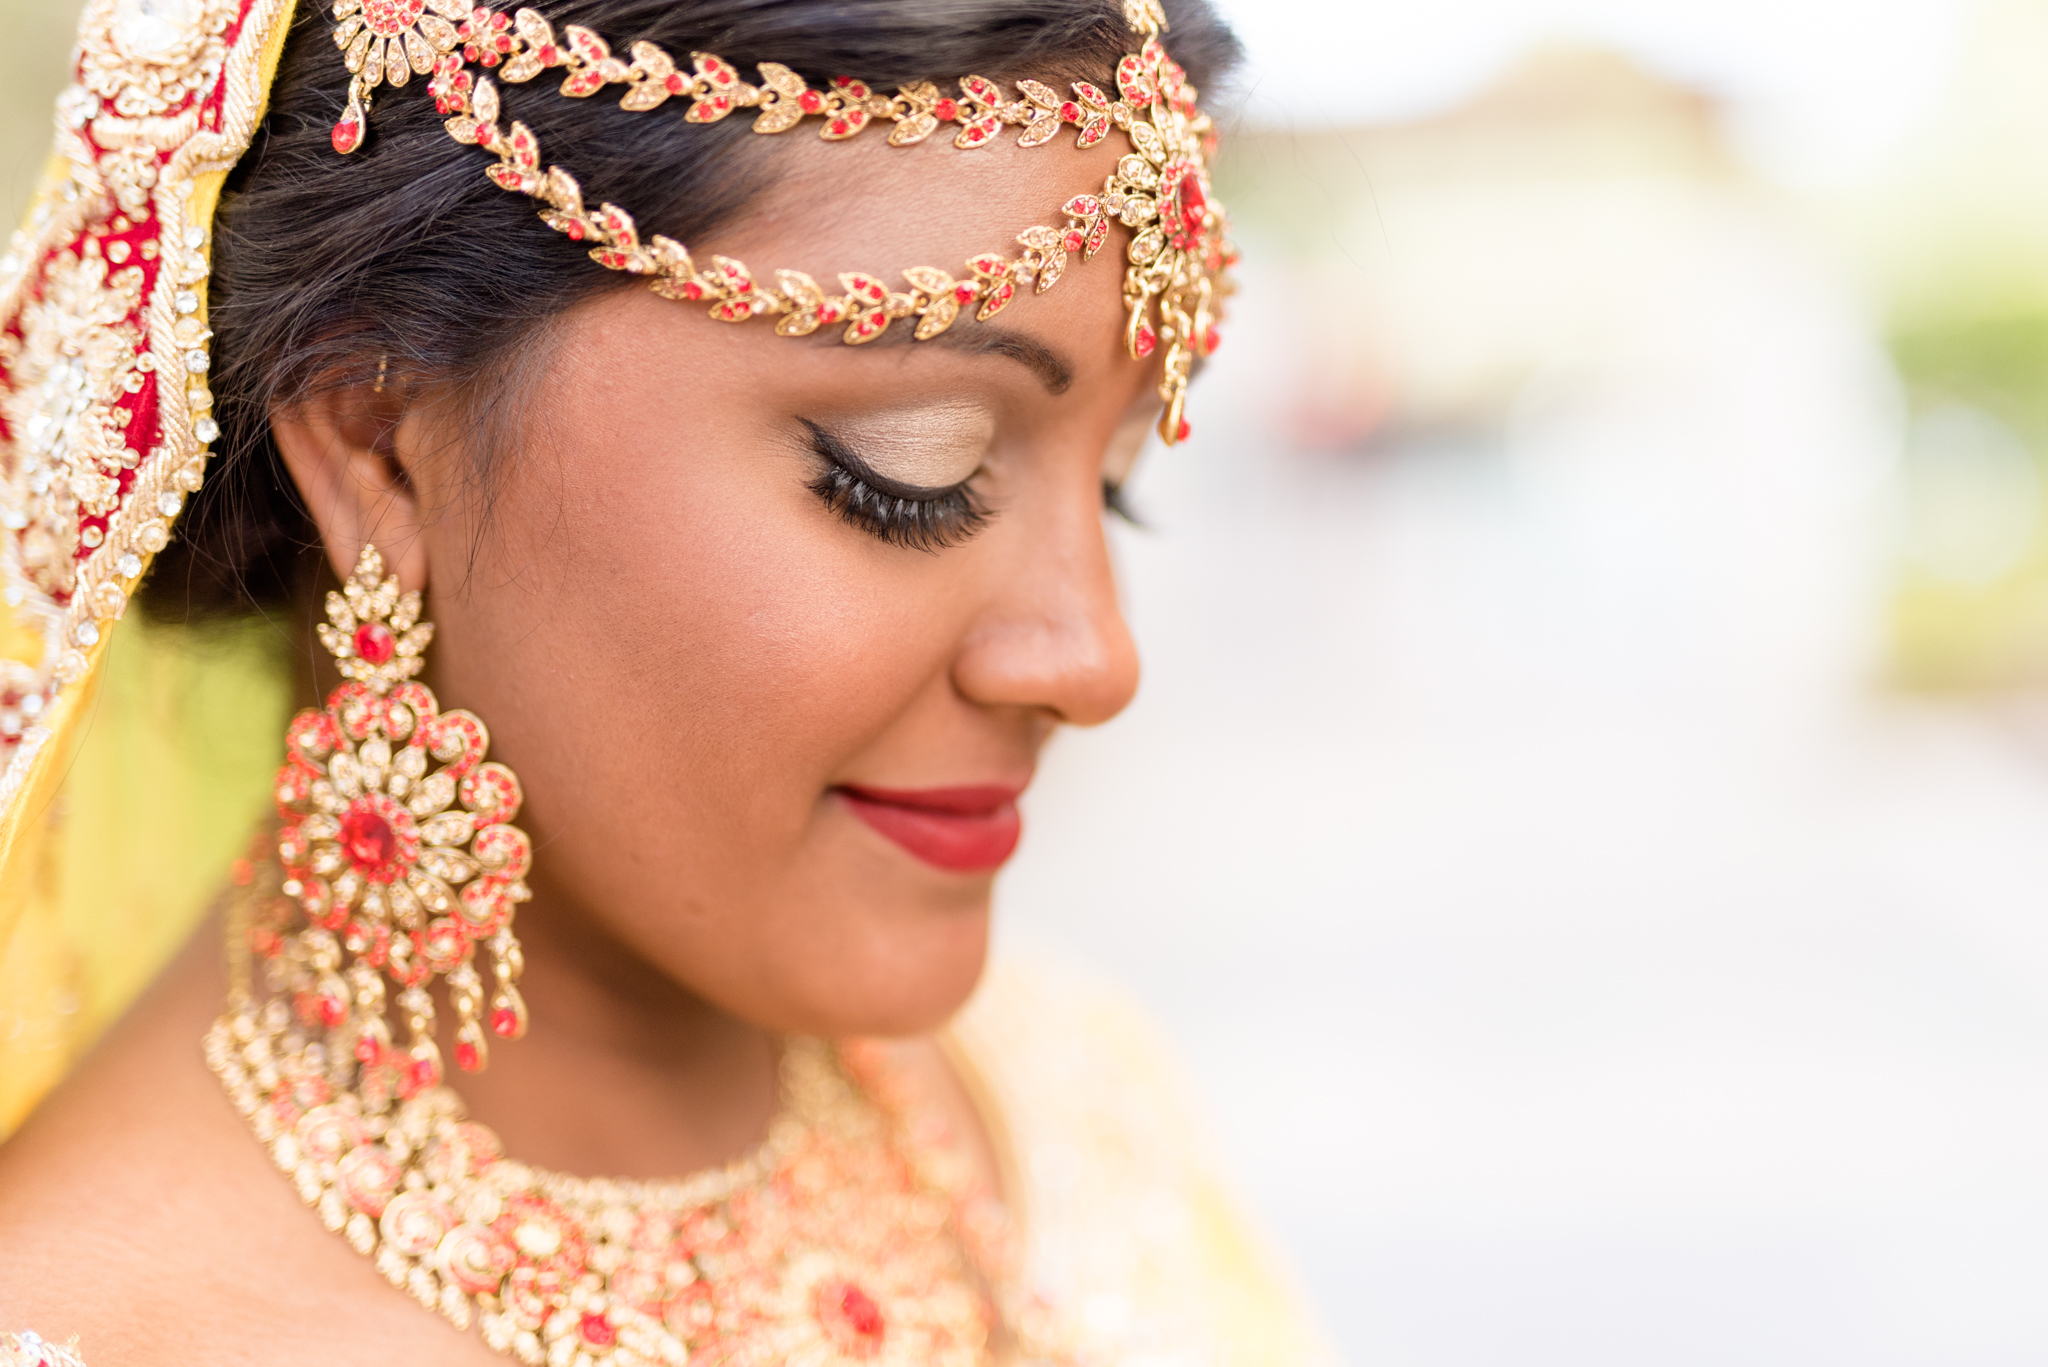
pixel 622 1073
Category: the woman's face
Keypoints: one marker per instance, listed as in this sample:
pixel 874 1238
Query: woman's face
pixel 768 746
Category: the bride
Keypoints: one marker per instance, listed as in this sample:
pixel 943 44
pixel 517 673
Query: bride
pixel 674 652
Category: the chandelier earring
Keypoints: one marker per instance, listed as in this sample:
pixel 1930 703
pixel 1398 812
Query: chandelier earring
pixel 398 855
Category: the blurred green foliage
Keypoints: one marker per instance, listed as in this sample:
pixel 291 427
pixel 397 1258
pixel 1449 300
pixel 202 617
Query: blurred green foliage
pixel 1972 634
pixel 1998 363
pixel 38 37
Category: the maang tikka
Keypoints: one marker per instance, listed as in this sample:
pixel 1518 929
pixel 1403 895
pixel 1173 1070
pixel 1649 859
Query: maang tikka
pixel 397 850
pixel 1178 258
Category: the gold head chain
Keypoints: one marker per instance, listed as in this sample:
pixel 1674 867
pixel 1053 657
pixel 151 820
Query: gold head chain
pixel 1178 256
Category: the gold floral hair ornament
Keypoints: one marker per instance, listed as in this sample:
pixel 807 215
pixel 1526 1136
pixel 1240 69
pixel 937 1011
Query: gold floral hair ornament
pixel 1179 253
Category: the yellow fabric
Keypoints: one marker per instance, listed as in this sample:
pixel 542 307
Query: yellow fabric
pixel 169 768
pixel 151 754
pixel 1128 1225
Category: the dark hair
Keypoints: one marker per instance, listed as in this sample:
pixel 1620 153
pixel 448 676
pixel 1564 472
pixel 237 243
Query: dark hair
pixel 404 254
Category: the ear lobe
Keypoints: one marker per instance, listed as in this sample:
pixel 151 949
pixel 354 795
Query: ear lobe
pixel 346 451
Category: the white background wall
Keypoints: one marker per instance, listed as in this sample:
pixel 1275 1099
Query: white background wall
pixel 1583 959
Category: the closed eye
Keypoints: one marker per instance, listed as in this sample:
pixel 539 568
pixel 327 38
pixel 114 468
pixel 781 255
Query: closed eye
pixel 909 515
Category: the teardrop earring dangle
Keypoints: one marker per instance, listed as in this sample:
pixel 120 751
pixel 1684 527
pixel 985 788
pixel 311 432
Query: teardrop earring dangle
pixel 397 854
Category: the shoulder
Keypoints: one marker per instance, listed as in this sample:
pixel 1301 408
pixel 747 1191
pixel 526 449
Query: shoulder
pixel 138 1215
pixel 1126 1215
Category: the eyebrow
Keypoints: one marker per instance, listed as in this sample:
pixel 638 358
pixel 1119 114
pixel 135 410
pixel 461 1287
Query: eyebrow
pixel 988 340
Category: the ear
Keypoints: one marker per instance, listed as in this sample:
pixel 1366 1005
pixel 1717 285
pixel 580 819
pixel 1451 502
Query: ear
pixel 346 452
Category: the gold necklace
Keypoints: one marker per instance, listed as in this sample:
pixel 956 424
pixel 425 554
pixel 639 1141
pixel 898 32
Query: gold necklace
pixel 854 1234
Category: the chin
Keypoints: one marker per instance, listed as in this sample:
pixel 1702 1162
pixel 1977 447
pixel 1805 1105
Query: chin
pixel 904 980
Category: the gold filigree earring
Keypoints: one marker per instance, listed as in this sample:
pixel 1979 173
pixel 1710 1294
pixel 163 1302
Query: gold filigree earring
pixel 397 849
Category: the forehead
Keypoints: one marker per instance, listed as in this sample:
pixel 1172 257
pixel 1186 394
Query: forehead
pixel 866 207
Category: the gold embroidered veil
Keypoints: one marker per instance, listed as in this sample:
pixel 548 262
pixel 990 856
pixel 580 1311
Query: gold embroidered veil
pixel 130 760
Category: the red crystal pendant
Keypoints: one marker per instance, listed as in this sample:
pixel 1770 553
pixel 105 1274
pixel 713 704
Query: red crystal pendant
pixel 466 1057
pixel 419 1072
pixel 597 1331
pixel 1193 203
pixel 348 131
pixel 368 838
pixel 505 1023
pixel 857 1310
pixel 374 642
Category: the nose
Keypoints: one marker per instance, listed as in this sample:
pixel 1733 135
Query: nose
pixel 1052 636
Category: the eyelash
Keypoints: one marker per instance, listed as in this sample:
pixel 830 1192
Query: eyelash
pixel 1116 505
pixel 906 515
pixel 899 514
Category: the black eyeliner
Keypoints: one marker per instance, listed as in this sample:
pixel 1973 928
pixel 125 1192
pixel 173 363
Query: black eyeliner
pixel 910 515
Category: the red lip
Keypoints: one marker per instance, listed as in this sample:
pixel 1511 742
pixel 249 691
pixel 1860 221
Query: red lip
pixel 961 830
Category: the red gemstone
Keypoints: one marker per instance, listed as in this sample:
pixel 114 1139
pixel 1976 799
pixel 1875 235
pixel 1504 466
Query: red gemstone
pixel 1182 435
pixel 810 101
pixel 1147 340
pixel 1075 241
pixel 674 83
pixel 1192 202
pixel 420 1074
pixel 374 640
pixel 597 1331
pixel 505 1022
pixel 839 125
pixel 333 1011
pixel 348 135
pixel 964 293
pixel 369 1051
pixel 947 110
pixel 465 1056
pixel 1071 112
pixel 1211 339
pixel 368 838
pixel 863 1316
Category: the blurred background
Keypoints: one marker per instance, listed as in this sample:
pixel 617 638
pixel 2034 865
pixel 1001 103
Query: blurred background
pixel 1583 820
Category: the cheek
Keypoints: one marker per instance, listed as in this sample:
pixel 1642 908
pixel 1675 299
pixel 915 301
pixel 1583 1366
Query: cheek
pixel 679 651
pixel 735 643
